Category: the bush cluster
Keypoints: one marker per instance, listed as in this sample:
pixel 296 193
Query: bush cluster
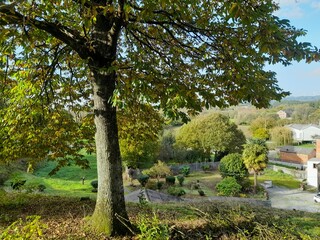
pixel 176 191
pixel 228 187
pixel 158 170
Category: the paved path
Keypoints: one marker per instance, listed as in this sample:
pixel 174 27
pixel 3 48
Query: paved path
pixel 293 199
pixel 280 197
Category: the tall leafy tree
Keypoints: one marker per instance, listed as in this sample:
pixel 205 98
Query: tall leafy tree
pixel 213 133
pixel 255 157
pixel 166 148
pixel 261 126
pixel 55 55
pixel 302 113
pixel 281 136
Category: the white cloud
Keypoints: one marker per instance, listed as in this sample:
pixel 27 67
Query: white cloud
pixel 290 12
pixel 296 8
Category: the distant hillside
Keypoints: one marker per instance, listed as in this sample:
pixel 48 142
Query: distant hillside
pixel 296 100
pixel 302 98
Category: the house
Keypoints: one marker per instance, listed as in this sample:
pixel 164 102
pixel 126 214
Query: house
pixel 283 114
pixel 313 168
pixel 299 155
pixel 304 132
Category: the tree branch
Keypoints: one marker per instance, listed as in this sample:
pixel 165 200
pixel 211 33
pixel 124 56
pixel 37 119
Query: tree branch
pixel 8 15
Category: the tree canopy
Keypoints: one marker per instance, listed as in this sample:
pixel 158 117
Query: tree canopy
pixel 213 133
pixel 281 136
pixel 261 126
pixel 105 56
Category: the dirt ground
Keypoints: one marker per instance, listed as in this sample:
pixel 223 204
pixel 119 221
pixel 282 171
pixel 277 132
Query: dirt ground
pixel 293 199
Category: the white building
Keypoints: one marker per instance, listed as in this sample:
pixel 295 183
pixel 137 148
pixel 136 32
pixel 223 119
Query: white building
pixel 304 132
pixel 313 168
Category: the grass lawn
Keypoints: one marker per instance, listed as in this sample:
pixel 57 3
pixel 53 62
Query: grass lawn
pixel 207 182
pixel 66 182
pixel 279 179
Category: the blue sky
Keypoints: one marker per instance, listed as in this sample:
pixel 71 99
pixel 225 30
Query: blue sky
pixel 301 79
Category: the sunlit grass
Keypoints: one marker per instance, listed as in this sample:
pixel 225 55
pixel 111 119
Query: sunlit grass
pixel 67 181
pixel 279 179
pixel 72 172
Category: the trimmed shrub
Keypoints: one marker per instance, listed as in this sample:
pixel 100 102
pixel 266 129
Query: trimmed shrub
pixel 228 187
pixel 232 166
pixel 143 179
pixel 94 184
pixel 159 185
pixel 180 180
pixel 41 187
pixel 185 171
pixel 175 191
pixel 170 180
pixel 201 192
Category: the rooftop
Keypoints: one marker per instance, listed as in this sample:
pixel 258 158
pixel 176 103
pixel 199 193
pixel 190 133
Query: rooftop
pixel 294 149
pixel 302 126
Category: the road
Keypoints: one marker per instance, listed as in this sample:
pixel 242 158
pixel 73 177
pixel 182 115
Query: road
pixel 292 199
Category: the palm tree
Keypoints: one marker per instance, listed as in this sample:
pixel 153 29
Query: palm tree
pixel 255 157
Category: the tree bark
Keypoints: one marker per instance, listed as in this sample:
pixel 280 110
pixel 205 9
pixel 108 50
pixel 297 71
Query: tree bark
pixel 110 214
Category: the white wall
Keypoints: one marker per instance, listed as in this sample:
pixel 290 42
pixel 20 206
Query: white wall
pixel 312 173
pixel 296 134
pixel 305 134
pixel 309 132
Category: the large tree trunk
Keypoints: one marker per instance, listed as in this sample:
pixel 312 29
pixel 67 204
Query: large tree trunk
pixel 110 214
